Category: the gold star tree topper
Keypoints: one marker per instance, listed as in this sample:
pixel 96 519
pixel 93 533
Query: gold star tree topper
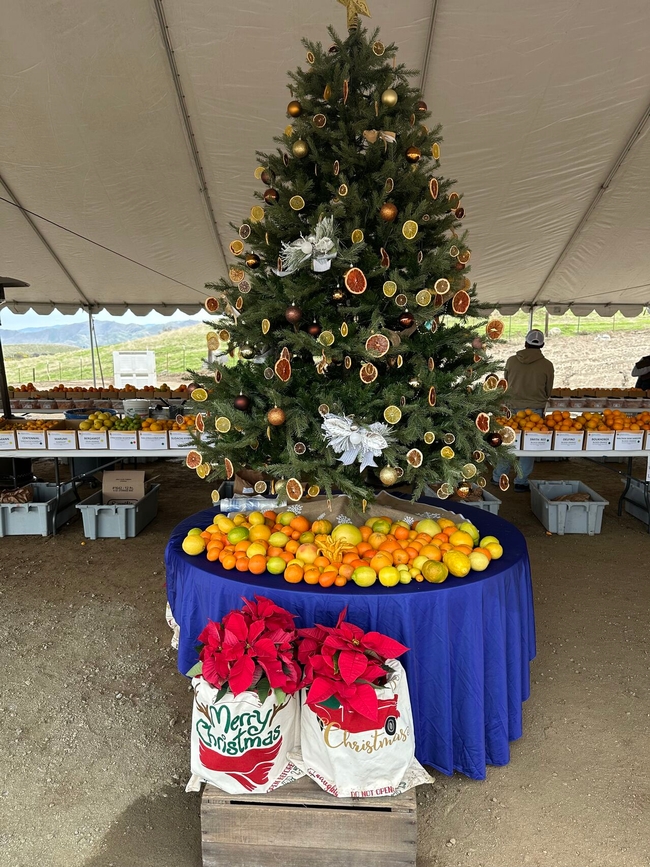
pixel 355 8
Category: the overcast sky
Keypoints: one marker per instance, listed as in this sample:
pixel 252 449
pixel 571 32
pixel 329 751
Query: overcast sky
pixel 33 320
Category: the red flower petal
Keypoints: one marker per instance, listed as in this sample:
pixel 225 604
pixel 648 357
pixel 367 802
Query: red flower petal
pixel 241 675
pixel 365 702
pixel 384 646
pixel 352 665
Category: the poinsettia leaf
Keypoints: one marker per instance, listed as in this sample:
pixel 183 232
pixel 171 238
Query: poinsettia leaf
pixel 223 691
pixel 255 629
pixel 321 689
pixel 195 670
pixel 351 665
pixel 384 646
pixel 280 696
pixel 332 703
pixel 263 690
pixel 342 617
pixel 365 702
pixel 241 674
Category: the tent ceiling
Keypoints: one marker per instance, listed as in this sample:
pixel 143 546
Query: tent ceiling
pixel 542 106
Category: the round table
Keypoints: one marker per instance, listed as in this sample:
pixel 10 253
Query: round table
pixel 471 639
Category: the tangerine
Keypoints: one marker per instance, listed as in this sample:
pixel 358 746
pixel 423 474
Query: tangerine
pixel 257 564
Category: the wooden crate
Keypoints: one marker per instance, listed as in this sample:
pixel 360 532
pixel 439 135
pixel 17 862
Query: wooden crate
pixel 300 825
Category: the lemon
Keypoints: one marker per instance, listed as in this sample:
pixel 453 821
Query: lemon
pixel 257 214
pixel 458 563
pixel 199 394
pixel 364 576
pixel 278 540
pixel 276 565
pixel 487 540
pixel 255 548
pixel 434 572
pixel 255 518
pixel 479 561
pixel 223 523
pixel 388 576
pixel 193 545
pixel 203 470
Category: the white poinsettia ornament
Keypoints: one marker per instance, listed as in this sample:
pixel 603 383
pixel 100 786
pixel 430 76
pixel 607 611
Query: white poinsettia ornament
pixel 354 441
pixel 320 247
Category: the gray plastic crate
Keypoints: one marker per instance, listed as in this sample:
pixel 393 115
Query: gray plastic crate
pixel 566 517
pixel 125 522
pixel 489 503
pixel 636 505
pixel 37 518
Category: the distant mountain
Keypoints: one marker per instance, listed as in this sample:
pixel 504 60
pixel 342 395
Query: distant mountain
pixel 76 335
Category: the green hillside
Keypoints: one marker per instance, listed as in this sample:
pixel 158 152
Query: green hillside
pixel 176 351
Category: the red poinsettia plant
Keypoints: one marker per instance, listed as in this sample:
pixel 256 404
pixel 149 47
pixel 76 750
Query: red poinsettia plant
pixel 251 649
pixel 345 666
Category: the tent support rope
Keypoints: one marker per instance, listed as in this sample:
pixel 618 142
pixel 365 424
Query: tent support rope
pixel 429 44
pixel 45 242
pixel 636 134
pixel 187 123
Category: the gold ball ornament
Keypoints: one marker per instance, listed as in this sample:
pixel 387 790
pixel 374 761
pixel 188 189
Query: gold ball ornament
pixel 413 154
pixel 388 475
pixel 294 109
pixel 388 212
pixel 389 98
pixel 253 260
pixel 276 416
pixel 300 149
pixel 463 490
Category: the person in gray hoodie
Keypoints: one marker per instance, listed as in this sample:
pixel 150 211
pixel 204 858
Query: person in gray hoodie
pixel 530 383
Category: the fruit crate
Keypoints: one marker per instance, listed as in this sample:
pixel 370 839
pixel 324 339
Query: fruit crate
pixel 489 503
pixel 299 824
pixel 38 518
pixel 566 517
pixel 635 500
pixel 123 521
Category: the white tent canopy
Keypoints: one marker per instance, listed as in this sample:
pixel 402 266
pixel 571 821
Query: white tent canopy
pixel 135 123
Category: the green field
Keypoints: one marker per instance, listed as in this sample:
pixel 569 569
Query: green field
pixel 176 351
pixel 185 348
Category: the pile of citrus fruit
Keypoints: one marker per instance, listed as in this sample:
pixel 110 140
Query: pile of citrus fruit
pixel 381 550
pixel 561 420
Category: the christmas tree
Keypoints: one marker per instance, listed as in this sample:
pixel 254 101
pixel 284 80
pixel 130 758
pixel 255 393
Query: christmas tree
pixel 361 356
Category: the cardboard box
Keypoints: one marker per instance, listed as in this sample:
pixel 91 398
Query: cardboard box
pixel 153 440
pixel 629 441
pixel 7 440
pixel 516 443
pixel 180 439
pixel 537 442
pixel 123 440
pixel 122 488
pixel 31 439
pixel 599 441
pixel 62 439
pixel 568 441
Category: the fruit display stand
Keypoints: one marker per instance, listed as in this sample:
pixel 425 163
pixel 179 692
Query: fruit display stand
pixel 299 824
pixel 481 624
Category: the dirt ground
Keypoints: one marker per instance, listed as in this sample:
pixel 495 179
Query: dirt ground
pixel 95 715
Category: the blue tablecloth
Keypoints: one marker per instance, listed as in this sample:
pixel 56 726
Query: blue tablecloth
pixel 471 639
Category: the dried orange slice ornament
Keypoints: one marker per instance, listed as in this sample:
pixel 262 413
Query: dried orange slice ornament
pixel 212 339
pixel 347 361
pixel 442 286
pixel 215 496
pixel 283 369
pixel 464 257
pixel 224 335
pixel 377 345
pixel 313 490
pixel 344 329
pixel 294 490
pixel 297 203
pixel 260 487
pixel 236 275
pixel 355 281
pixel 423 298
pixel 203 470
pixel 415 457
pixel 323 409
pixel 460 303
pixel 392 414
pixel 429 437
pixel 508 436
pixel 432 396
pixel 447 453
pixel 326 338
pixel 218 376
pixel 384 258
pixel 469 471
pixel 368 373
pixel 237 247
pixel 357 236
pixel 211 304
pixel 504 482
pixel 230 470
pixel 435 151
pixel 502 384
pixel 410 229
pixel 494 329
pixel 199 422
pixel 266 326
pixel 434 188
pixel 490 383
pixel 390 288
pixel 193 460
pixel 257 213
pixel 482 422
pixel 199 394
pixel 223 424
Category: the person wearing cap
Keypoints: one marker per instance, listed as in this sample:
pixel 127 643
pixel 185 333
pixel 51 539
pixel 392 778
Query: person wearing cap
pixel 530 383
pixel 642 371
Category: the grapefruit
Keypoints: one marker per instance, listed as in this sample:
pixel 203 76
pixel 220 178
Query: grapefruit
pixel 368 373
pixel 193 460
pixel 347 533
pixel 460 302
pixel 434 572
pixel 377 345
pixel 483 422
pixel 428 526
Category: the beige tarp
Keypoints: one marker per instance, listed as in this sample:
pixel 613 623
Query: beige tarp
pixel 135 123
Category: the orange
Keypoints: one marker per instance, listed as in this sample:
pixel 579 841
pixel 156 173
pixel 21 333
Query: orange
pixel 366 532
pixel 445 522
pixel 274 552
pixel 213 555
pixel 287 556
pixel 213 545
pixel 377 539
pixel 350 556
pixel 293 574
pixel 440 537
pixel 380 560
pixel 423 537
pixel 300 523
pixel 464 549
pixel 460 537
pixel 431 552
pixel 270 515
pixel 445 546
pixel 257 564
pixel 242 546
pixel 311 576
pixel 362 547
pixel 242 564
pixel 400 556
pixel 292 545
pixel 327 578
pixel 340 581
pixel 401 533
pixel 356 563
pixel 322 561
pixel 389 545
pixel 412 552
pixel 484 551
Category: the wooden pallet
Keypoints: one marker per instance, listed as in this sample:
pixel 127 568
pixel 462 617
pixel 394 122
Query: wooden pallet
pixel 300 825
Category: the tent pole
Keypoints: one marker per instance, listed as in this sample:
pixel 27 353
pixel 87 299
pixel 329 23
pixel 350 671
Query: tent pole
pixel 530 322
pixel 92 351
pixel 4 388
